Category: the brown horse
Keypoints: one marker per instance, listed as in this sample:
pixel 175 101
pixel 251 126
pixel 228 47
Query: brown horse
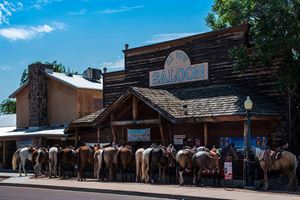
pixel 85 156
pixel 111 162
pixel 287 164
pixel 125 161
pixel 67 159
pixel 161 157
pixel 39 158
pixel 184 161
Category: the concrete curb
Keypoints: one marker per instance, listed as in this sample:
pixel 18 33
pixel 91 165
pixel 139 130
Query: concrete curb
pixel 108 191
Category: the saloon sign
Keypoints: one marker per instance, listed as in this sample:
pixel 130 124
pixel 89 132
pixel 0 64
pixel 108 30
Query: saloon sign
pixel 178 69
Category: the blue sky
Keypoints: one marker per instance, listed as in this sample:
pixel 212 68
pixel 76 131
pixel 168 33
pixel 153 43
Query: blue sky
pixel 88 33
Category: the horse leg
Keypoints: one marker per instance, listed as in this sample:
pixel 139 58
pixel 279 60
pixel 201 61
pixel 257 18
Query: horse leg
pixel 195 180
pixel 23 166
pixel 200 177
pixel 180 171
pixel 137 171
pixel 163 174
pixel 20 169
pixel 266 184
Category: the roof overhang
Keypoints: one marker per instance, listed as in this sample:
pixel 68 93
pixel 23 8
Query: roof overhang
pixel 13 95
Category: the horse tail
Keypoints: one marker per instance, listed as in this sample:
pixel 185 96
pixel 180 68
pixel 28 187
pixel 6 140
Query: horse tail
pixel 119 158
pixel 15 159
pixel 150 162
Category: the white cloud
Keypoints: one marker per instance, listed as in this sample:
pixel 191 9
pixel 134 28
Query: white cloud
pixel 114 65
pixel 27 33
pixel 39 4
pixel 168 36
pixel 7 9
pixel 118 10
pixel 80 12
pixel 5 68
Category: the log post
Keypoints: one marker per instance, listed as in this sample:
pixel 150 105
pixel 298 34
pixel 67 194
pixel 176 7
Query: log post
pixel 161 130
pixel 4 152
pixel 98 134
pixel 112 127
pixel 76 137
pixel 134 108
pixel 205 134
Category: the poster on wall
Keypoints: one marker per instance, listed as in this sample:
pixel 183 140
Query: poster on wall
pixel 259 142
pixel 178 139
pixel 138 135
pixel 24 143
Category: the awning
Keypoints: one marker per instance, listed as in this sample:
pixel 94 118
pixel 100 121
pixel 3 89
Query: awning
pixel 6 132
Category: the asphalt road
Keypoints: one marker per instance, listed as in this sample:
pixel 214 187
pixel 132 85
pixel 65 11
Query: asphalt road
pixel 22 193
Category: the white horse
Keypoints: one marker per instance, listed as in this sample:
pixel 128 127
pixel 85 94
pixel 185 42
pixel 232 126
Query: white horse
pixel 53 152
pixel 287 164
pixel 146 164
pixel 139 165
pixel 20 157
pixel 98 157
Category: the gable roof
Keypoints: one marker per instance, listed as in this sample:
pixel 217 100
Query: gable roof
pixel 202 102
pixel 75 81
pixel 8 120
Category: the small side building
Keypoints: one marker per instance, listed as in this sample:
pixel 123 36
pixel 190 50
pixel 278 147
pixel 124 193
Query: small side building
pixel 46 103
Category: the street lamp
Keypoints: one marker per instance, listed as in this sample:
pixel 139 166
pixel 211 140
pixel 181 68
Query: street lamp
pixel 248 104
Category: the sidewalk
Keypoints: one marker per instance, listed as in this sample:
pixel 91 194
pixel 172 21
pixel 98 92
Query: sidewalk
pixel 140 189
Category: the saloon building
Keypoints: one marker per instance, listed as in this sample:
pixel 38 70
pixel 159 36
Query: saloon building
pixel 186 89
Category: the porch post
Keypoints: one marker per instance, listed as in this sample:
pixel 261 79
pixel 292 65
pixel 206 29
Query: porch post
pixel 98 134
pixel 205 134
pixel 111 126
pixel 161 131
pixel 76 137
pixel 4 152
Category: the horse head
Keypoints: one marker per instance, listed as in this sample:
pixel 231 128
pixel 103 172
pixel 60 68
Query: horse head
pixel 228 150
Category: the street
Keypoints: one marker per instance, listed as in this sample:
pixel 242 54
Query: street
pixel 22 193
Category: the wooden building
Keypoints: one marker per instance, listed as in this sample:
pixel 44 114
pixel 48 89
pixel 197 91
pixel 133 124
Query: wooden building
pixel 46 103
pixel 186 88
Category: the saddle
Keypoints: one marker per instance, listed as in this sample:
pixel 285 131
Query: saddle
pixel 276 155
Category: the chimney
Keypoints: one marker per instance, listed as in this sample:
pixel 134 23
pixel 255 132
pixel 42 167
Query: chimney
pixel 38 97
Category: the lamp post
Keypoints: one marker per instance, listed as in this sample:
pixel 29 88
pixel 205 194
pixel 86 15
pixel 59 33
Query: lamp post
pixel 248 104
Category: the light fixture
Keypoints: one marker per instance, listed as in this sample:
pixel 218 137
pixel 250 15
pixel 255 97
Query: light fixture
pixel 248 104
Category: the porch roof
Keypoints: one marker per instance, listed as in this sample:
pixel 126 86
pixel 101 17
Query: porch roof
pixel 6 132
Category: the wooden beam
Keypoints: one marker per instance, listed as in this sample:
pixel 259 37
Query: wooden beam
pixel 76 136
pixel 111 126
pixel 4 152
pixel 229 118
pixel 205 134
pixel 98 134
pixel 134 108
pixel 132 122
pixel 161 131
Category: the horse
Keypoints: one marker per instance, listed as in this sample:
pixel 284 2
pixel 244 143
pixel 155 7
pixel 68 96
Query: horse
pixel 20 156
pixel 85 156
pixel 125 160
pixel 98 163
pixel 53 160
pixel 111 161
pixel 67 160
pixel 162 158
pixel 287 164
pixel 139 165
pixel 184 161
pixel 146 164
pixel 213 160
pixel 39 157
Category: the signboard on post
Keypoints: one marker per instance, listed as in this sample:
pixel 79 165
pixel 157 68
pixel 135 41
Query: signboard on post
pixel 178 69
pixel 178 139
pixel 228 171
pixel 138 135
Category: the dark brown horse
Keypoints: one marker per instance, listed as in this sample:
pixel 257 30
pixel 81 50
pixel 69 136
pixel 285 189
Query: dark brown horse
pixel 161 157
pixel 67 160
pixel 125 161
pixel 85 156
pixel 213 161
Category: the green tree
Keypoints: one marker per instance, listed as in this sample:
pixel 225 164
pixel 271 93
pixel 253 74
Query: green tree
pixel 274 32
pixel 8 106
pixel 57 67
